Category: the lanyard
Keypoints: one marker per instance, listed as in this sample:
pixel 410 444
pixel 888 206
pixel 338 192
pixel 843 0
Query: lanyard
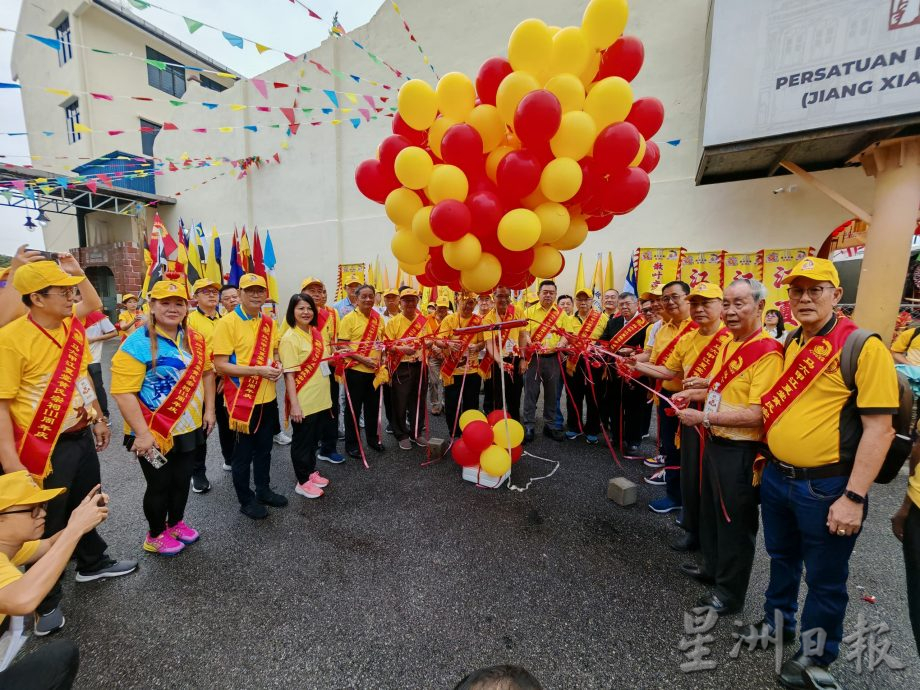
pixel 46 333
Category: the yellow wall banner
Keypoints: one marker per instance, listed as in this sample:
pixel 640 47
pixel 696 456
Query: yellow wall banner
pixel 747 265
pixel 702 267
pixel 777 264
pixel 657 267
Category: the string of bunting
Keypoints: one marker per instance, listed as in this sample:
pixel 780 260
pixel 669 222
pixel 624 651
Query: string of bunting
pixel 414 40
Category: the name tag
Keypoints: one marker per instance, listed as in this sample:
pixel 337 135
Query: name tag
pixel 324 368
pixel 713 400
pixel 85 389
pixel 509 347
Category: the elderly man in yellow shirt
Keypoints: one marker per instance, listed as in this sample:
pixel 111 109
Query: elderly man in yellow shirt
pixel 540 364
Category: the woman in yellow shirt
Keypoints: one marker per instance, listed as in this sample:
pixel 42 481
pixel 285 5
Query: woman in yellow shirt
pixel 306 382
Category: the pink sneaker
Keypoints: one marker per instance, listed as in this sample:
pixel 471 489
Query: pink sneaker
pixel 308 490
pixel 184 533
pixel 163 544
pixel 316 479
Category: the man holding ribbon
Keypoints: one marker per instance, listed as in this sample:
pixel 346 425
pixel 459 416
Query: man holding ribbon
pixel 500 367
pixel 583 391
pixel 540 342
pixel 460 370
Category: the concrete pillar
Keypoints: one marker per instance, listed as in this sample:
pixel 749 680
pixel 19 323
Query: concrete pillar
pixel 895 165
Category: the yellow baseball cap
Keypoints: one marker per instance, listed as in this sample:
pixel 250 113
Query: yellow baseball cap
pixel 583 291
pixel 391 291
pixel 651 294
pixel 310 280
pixel 19 489
pixel 350 277
pixel 203 283
pixel 169 288
pixel 442 302
pixel 408 292
pixel 809 267
pixel 125 297
pixel 707 291
pixel 38 275
pixel 250 280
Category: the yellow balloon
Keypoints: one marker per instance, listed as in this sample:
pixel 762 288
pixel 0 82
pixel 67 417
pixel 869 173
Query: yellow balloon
pixel 436 133
pixel 604 21
pixel 641 154
pixel 486 120
pixel 495 461
pixel 456 95
pixel 609 101
pixel 575 136
pixel 554 221
pixel 471 416
pixel 508 433
pixel 571 51
pixel 401 205
pixel 413 269
pixel 510 92
pixel 413 167
pixel 568 89
pixel 464 253
pixel 594 64
pixel 447 182
pixel 494 158
pixel 561 179
pixel 574 236
pixel 406 248
pixel 417 103
pixel 547 261
pixel 530 46
pixel 421 228
pixel 484 275
pixel 519 229
pixel 534 199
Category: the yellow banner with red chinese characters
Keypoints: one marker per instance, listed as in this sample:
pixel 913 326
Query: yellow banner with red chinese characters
pixel 702 267
pixel 747 265
pixel 657 267
pixel 777 263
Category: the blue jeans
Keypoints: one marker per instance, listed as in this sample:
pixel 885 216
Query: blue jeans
pixel 795 533
pixel 560 423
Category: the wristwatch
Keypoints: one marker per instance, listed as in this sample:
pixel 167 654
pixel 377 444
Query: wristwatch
pixel 855 497
pixel 706 424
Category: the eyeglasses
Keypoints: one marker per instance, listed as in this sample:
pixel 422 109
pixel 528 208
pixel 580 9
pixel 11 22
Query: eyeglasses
pixel 35 510
pixel 671 298
pixel 67 293
pixel 647 310
pixel 814 292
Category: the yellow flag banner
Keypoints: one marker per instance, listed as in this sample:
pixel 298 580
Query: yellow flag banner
pixel 748 265
pixel 702 267
pixel 777 263
pixel 657 267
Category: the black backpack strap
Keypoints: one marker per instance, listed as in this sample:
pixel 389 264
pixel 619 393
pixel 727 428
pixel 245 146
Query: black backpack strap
pixel 912 339
pixel 849 356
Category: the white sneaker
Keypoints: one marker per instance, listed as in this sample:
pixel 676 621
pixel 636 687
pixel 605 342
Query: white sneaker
pixel 282 439
pixel 308 490
pixel 227 468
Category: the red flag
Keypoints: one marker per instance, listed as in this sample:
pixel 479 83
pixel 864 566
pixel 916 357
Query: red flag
pixel 257 260
pixel 169 245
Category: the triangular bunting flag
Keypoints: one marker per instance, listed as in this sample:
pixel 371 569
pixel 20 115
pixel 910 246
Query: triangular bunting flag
pixel 260 86
pixel 233 39
pixel 192 24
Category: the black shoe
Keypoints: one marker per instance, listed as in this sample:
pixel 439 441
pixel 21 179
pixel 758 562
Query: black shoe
pixel 376 446
pixel 720 607
pixel 554 434
pixel 270 498
pixel 528 436
pixel 632 451
pixel 793 672
pixel 764 631
pixel 686 542
pixel 354 453
pixel 254 510
pixel 697 573
pixel 200 485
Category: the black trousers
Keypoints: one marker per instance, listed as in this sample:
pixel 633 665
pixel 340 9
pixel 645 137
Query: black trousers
pixel 167 488
pixel 255 449
pixel 610 387
pixel 408 418
pixel 199 461
pixel 53 666
pixel 75 465
pixel 636 411
pixel 453 401
pixel 512 383
pixel 581 395
pixel 387 404
pixel 95 373
pixel 329 433
pixel 304 442
pixel 669 427
pixel 364 398
pixel 224 432
pixel 912 565
pixel 690 489
pixel 728 547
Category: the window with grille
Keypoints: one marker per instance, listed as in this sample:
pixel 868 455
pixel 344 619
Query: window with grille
pixel 62 32
pixel 72 115
pixel 149 131
pixel 211 84
pixel 170 79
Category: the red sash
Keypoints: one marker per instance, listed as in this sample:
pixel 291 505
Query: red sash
pixel 413 330
pixel 453 358
pixel 307 368
pixel 485 366
pixel 322 315
pixel 36 443
pixel 704 362
pixel 808 365
pixel 635 325
pixel 164 419
pixel 587 327
pixel 746 356
pixel 368 338
pixel 241 399
pixel 669 348
pixel 93 318
pixel 544 328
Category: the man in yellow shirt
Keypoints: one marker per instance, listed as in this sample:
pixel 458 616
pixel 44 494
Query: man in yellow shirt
pixel 906 527
pixel 460 370
pixel 539 363
pixel 246 355
pixel 503 356
pixel 436 358
pixel 906 347
pixel 583 396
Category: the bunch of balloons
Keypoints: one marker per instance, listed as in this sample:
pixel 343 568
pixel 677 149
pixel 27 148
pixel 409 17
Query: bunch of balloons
pixel 485 441
pixel 489 183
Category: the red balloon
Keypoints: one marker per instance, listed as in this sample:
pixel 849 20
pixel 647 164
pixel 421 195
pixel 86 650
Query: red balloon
pixel 456 285
pixel 490 76
pixel 515 262
pixel 418 138
pixel 518 174
pixel 590 181
pixel 516 453
pixel 625 189
pixel 616 146
pixel 651 158
pixel 440 271
pixel 429 276
pixel 495 416
pixel 598 222
pixel 478 436
pixel 647 114
pixel 424 280
pixel 623 59
pixel 516 281
pixel 462 455
pixel 374 181
pixel 486 210
pixel 461 145
pixel 390 148
pixel 537 117
pixel 450 220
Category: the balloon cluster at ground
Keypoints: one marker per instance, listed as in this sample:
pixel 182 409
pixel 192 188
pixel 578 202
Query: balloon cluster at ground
pixel 489 182
pixel 493 442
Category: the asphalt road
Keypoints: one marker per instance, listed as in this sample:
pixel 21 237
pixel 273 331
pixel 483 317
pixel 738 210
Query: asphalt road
pixel 405 576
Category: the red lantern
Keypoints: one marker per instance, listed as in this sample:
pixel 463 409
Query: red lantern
pixel 616 146
pixel 490 76
pixel 537 117
pixel 374 181
pixel 623 59
pixel 450 220
pixel 478 436
pixel 647 114
pixel 651 158
pixel 418 138
pixel 461 145
pixel 462 455
pixel 518 174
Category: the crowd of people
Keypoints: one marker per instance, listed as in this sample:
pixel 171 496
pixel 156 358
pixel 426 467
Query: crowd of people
pixel 755 423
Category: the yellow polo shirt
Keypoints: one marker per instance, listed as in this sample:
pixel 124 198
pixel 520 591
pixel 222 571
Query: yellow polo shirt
pixel 9 567
pixel 688 349
pixel 235 337
pixel 511 337
pixel 352 328
pixel 808 434
pixel 913 486
pixel 450 323
pixel 201 323
pixel 399 324
pixel 295 347
pixel 666 333
pixel 911 350
pixel 535 315
pixel 574 322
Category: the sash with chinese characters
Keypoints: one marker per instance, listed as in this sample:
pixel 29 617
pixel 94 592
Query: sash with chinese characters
pixel 241 399
pixel 368 338
pixel 745 357
pixel 635 325
pixel 587 328
pixel 669 348
pixel 544 328
pixel 806 368
pixel 452 359
pixel 395 358
pixel 36 443
pixel 164 419
pixel 307 368
pixel 485 366
pixel 704 362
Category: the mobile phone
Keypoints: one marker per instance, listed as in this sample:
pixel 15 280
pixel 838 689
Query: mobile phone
pixel 51 256
pixel 154 457
pixel 101 501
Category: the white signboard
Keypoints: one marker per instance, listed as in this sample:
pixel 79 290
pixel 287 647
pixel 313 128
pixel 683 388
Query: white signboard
pixel 781 66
